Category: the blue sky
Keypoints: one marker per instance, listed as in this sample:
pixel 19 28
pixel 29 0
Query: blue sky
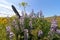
pixel 48 7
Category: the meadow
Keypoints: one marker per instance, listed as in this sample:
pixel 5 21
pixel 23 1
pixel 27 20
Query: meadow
pixel 37 26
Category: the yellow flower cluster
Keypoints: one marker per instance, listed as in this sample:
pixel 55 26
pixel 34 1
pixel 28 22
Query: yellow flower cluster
pixel 3 21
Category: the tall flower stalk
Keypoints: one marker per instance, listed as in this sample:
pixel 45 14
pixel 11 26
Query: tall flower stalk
pixel 24 4
pixel 9 33
pixel 53 29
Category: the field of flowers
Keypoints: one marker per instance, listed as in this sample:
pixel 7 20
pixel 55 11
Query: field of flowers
pixel 37 24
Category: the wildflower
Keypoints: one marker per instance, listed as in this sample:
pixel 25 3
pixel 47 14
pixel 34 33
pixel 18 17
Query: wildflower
pixel 11 35
pixel 8 29
pixel 53 29
pixel 40 33
pixel 53 25
pixel 25 34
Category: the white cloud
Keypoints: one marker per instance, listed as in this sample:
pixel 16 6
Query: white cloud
pixel 6 5
pixel 8 11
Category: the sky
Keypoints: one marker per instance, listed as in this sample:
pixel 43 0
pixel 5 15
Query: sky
pixel 48 7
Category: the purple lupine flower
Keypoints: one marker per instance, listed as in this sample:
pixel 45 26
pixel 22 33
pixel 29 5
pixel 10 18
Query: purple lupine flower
pixel 53 25
pixel 40 33
pixel 53 29
pixel 8 29
pixel 11 35
pixel 25 34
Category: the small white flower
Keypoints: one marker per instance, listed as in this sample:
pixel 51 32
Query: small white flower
pixel 11 35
